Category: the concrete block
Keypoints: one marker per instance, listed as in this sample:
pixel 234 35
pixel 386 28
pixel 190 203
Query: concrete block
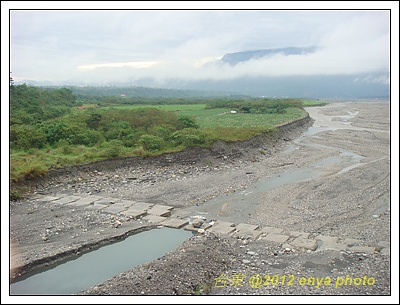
pixel 95 206
pixel 329 243
pixel 271 230
pixel 244 230
pixel 115 208
pixel 107 201
pixel 134 213
pixel 350 242
pixel 182 213
pixel 385 251
pixel 143 205
pixel 363 249
pixel 85 201
pixel 326 238
pixel 175 223
pixel 153 218
pixel 299 234
pixel 384 244
pixel 278 238
pixel 246 227
pixel 47 198
pixel 67 199
pixel 160 210
pixel 326 245
pixel 126 203
pixel 222 227
pixel 309 244
pixel 204 226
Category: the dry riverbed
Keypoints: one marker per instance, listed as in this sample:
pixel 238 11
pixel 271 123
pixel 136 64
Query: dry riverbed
pixel 333 180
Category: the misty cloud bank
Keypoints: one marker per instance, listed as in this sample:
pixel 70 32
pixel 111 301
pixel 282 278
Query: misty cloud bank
pixel 161 48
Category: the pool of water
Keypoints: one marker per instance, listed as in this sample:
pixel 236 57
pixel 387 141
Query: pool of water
pixel 99 265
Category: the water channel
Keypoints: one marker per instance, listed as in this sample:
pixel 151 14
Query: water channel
pixel 97 266
pixel 237 206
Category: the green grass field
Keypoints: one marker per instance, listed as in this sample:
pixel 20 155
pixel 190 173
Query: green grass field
pixel 177 107
pixel 221 117
pixel 313 103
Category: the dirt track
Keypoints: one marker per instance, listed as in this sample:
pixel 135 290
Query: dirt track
pixel 338 185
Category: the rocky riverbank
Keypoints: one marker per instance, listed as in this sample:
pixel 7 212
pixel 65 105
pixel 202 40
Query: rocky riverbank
pixel 61 231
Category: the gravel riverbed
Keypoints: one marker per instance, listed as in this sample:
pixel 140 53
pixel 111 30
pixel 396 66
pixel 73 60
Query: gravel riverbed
pixel 341 187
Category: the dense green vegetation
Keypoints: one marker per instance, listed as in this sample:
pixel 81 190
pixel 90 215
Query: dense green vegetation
pixel 313 103
pixel 29 105
pixel 51 128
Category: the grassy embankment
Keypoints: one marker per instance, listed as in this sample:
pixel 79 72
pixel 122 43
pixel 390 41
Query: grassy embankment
pixel 132 130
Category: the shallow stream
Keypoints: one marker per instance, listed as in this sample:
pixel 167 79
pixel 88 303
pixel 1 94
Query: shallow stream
pixel 238 206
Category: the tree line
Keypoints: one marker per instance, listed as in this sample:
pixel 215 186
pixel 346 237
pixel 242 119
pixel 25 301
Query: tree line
pixel 263 105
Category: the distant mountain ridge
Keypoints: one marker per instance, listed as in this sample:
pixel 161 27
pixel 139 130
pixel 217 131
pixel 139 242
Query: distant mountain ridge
pixel 237 57
pixel 357 85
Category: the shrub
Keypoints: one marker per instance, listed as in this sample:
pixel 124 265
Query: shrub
pixel 88 137
pixel 55 132
pixel 114 149
pixel 189 137
pixel 118 130
pixel 129 140
pixel 27 136
pixel 164 132
pixel 188 122
pixel 151 142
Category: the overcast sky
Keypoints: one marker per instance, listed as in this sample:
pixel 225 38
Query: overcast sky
pixel 101 46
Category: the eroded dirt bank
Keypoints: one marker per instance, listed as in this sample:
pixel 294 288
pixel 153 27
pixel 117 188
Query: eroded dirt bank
pixel 346 194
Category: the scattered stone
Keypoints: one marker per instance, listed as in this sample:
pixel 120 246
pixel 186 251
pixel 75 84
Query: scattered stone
pixel 197 223
pixel 117 224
